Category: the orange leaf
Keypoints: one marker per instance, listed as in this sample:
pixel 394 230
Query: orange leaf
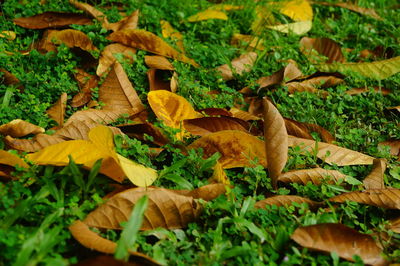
pixel 276 140
pixel 285 200
pixel 243 63
pixel 344 241
pixel 157 79
pixel 150 42
pixel 57 111
pixel 317 48
pixel 240 114
pixel 388 198
pixel 314 175
pixel 19 128
pixel 107 58
pixel 52 20
pixel 375 178
pixel 237 148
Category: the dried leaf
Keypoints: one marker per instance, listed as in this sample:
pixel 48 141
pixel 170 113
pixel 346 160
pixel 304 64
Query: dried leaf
pixel 314 175
pixel 139 130
pixel 237 148
pixel 243 63
pixel 157 80
pixel 71 38
pixel 138 174
pixel 376 70
pixel 150 42
pixel 10 159
pixel 168 31
pixel 57 111
pixel 215 112
pixel 312 84
pixel 248 41
pixel 158 62
pixel 298 10
pixel 394 146
pixel 207 125
pixel 165 209
pixel 19 128
pixel 316 49
pixel 94 116
pixel 326 136
pixel 297 129
pixel 128 23
pixel 298 28
pixel 86 82
pixel 362 10
pixel 7 34
pixel 103 260
pixel 95 13
pixel 38 142
pixel 8 78
pixel 208 14
pixel 207 192
pixel 79 130
pixel 285 200
pixel 107 58
pixel 240 114
pixel 388 198
pixel 375 178
pixel 219 175
pixel 356 91
pixel 395 225
pixel 344 241
pixel 52 20
pixel 285 74
pixel 276 141
pixel 330 153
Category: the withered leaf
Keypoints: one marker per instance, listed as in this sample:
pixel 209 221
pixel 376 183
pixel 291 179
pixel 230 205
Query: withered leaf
pixel 344 241
pixel 87 82
pixel 71 38
pixel 356 91
pixel 165 209
pixel 331 153
pixel 243 63
pixel 276 140
pixel 317 48
pixel 285 200
pixel 138 131
pixel 79 130
pixel 104 260
pixel 95 13
pixel 314 175
pixel 285 74
pixel 207 125
pixel 128 23
pixel 52 20
pixel 19 128
pixel 312 84
pixel 237 148
pixel 158 62
pixel 215 112
pixel 157 79
pixel 395 225
pixel 57 111
pixel 10 159
pixel 107 58
pixel 168 31
pixel 38 142
pixel 394 146
pixel 150 42
pixel 94 116
pixel 375 178
pixel 8 78
pixel 219 175
pixel 297 129
pixel 299 28
pixel 326 136
pixel 207 192
pixel 350 6
pixel 240 114
pixel 208 14
pixel 388 198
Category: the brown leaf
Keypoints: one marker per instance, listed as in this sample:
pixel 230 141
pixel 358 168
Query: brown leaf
pixel 138 131
pixel 330 153
pixel 344 241
pixel 326 136
pixel 395 225
pixel 93 12
pixel 107 58
pixel 150 42
pixel 128 23
pixel 38 142
pixel 237 148
pixel 158 62
pixel 71 38
pixel 117 92
pixel 240 114
pixel 94 116
pixel 243 63
pixel 207 192
pixel 317 48
pixel 215 112
pixel 276 140
pixel 57 111
pixel 285 200
pixel 86 82
pixel 165 209
pixel 394 146
pixel 9 79
pixel 356 91
pixel 362 10
pixel 19 128
pixel 219 175
pixel 312 84
pixel 388 198
pixel 157 79
pixel 297 129
pixel 52 20
pixel 79 130
pixel 207 125
pixel 375 178
pixel 314 175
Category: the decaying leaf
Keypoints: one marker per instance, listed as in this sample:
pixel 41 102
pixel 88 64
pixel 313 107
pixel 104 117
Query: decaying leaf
pixel 158 62
pixel 297 129
pixel 87 82
pixel 388 198
pixel 314 175
pixel 171 108
pixel 207 125
pixel 165 209
pixel 317 49
pixel 248 41
pixel 375 178
pixel 80 130
pixel 71 38
pixel 107 57
pixel 350 6
pixel 243 63
pixel 298 10
pixel 52 20
pixel 37 143
pixel 138 131
pixel 243 115
pixel 330 153
pixel 93 12
pixel 344 241
pixel 168 31
pixel 237 148
pixel 57 111
pixel 128 23
pixel 276 140
pixel 285 200
pixel 19 128
pixel 377 70
pixel 326 136
pixel 94 116
pixel 157 79
pixel 8 78
pixel 298 28
pixel 286 74
pixel 208 14
pixel 150 42
pixel 207 192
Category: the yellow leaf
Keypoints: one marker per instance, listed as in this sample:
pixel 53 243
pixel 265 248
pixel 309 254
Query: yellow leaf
pixel 138 174
pixel 208 14
pixel 103 138
pixel 298 28
pixel 219 174
pixel 11 159
pixel 221 7
pixel 298 10
pixel 9 35
pixel 168 31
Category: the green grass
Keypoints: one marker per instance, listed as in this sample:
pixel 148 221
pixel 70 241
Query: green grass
pixel 37 208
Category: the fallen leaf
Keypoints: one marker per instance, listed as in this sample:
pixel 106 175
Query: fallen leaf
pixel 298 28
pixel 376 70
pixel 37 143
pixel 237 148
pixel 94 116
pixel 240 114
pixel 314 175
pixel 388 198
pixel 207 192
pixel 158 62
pixel 7 34
pixel 138 174
pixel 128 23
pixel 330 153
pixel 286 74
pixel 168 31
pixel 264 16
pixel 243 63
pixel 52 20
pixel 394 146
pixel 215 112
pixel 375 178
pixel 150 42
pixel 276 141
pixel 87 82
pixel 10 159
pixel 297 129
pixel 326 136
pixel 19 128
pixel 93 12
pixel 344 241
pixel 350 6
pixel 157 79
pixel 219 175
pixel 57 111
pixel 298 10
pixel 208 14
pixel 313 84
pixel 207 125
pixel 107 58
pixel 247 41
pixel 356 91
pixel 285 200
pixel 317 49
pixel 71 38
pixel 103 260
pixel 138 131
pixel 80 130
pixel 165 209
pixel 395 225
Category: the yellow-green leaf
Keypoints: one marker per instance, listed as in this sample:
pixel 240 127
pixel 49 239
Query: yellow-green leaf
pixel 208 14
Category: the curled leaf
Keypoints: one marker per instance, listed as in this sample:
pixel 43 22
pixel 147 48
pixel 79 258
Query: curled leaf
pixel 107 57
pixel 297 129
pixel 388 198
pixel 375 178
pixel 243 63
pixel 285 200
pixel 38 142
pixel 95 13
pixel 71 38
pixel 207 125
pixel 52 20
pixel 19 128
pixel 314 175
pixel 86 82
pixel 158 62
pixel 128 23
pixel 57 111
